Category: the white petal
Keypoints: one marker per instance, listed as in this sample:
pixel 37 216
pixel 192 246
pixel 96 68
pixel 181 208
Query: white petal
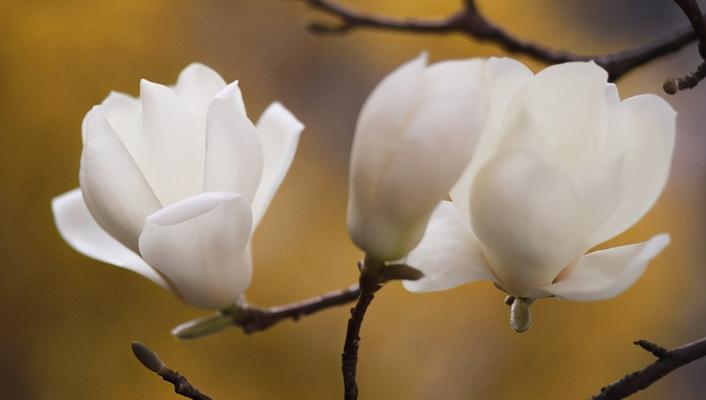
pixel 123 115
pixel 449 254
pixel 200 245
pixel 197 85
pixel 561 114
pixel 171 147
pixel 400 170
pixel 233 153
pixel 114 190
pixel 527 216
pixel 642 129
pixel 607 273
pixel 80 231
pixel 386 112
pixel 503 78
pixel 612 95
pixel 279 131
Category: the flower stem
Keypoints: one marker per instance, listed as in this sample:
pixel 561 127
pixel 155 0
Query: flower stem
pixel 370 283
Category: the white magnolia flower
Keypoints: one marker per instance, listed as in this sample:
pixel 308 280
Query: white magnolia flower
pixel 414 136
pixel 562 166
pixel 174 183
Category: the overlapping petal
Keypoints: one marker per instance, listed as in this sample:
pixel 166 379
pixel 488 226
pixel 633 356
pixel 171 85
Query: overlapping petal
pixel 114 189
pixel 80 231
pixel 607 273
pixel 503 77
pixel 197 85
pixel 200 245
pixel 279 131
pixel 527 215
pixel 234 158
pixel 171 146
pixel 561 114
pixel 642 128
pixel 123 115
pixel 449 254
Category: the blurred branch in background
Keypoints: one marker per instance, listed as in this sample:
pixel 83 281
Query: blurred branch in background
pixel 667 361
pixel 471 22
pixel 693 12
pixel 151 361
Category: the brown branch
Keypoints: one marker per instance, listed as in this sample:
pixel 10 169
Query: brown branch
pixel 470 22
pixel 250 318
pixel 151 361
pixel 696 18
pixel 370 282
pixel 256 319
pixel 667 361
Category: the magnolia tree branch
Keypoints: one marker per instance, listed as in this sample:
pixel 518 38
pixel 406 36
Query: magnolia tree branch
pixel 667 361
pixel 257 319
pixel 693 13
pixel 370 282
pixel 471 22
pixel 151 361
pixel 250 318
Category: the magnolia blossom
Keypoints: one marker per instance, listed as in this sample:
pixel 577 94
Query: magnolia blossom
pixel 174 183
pixel 563 165
pixel 413 138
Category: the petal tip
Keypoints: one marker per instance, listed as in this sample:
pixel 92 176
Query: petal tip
pixel 283 113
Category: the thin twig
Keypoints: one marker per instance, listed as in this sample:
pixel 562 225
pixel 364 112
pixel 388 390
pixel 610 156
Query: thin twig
pixel 472 23
pixel 258 319
pixel 696 18
pixel 370 282
pixel 151 361
pixel 667 361
pixel 251 318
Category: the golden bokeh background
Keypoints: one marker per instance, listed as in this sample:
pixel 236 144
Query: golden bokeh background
pixel 67 321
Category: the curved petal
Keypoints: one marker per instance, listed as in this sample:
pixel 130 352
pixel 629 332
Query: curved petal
pixel 527 216
pixel 449 254
pixel 384 115
pixel 197 85
pixel 123 115
pixel 642 128
pixel 378 132
pixel 398 178
pixel 171 147
pixel 233 153
pixel 114 190
pixel 279 131
pixel 200 245
pixel 561 114
pixel 503 77
pixel 607 273
pixel 78 228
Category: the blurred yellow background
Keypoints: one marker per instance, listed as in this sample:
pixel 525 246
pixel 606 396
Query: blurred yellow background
pixel 67 321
